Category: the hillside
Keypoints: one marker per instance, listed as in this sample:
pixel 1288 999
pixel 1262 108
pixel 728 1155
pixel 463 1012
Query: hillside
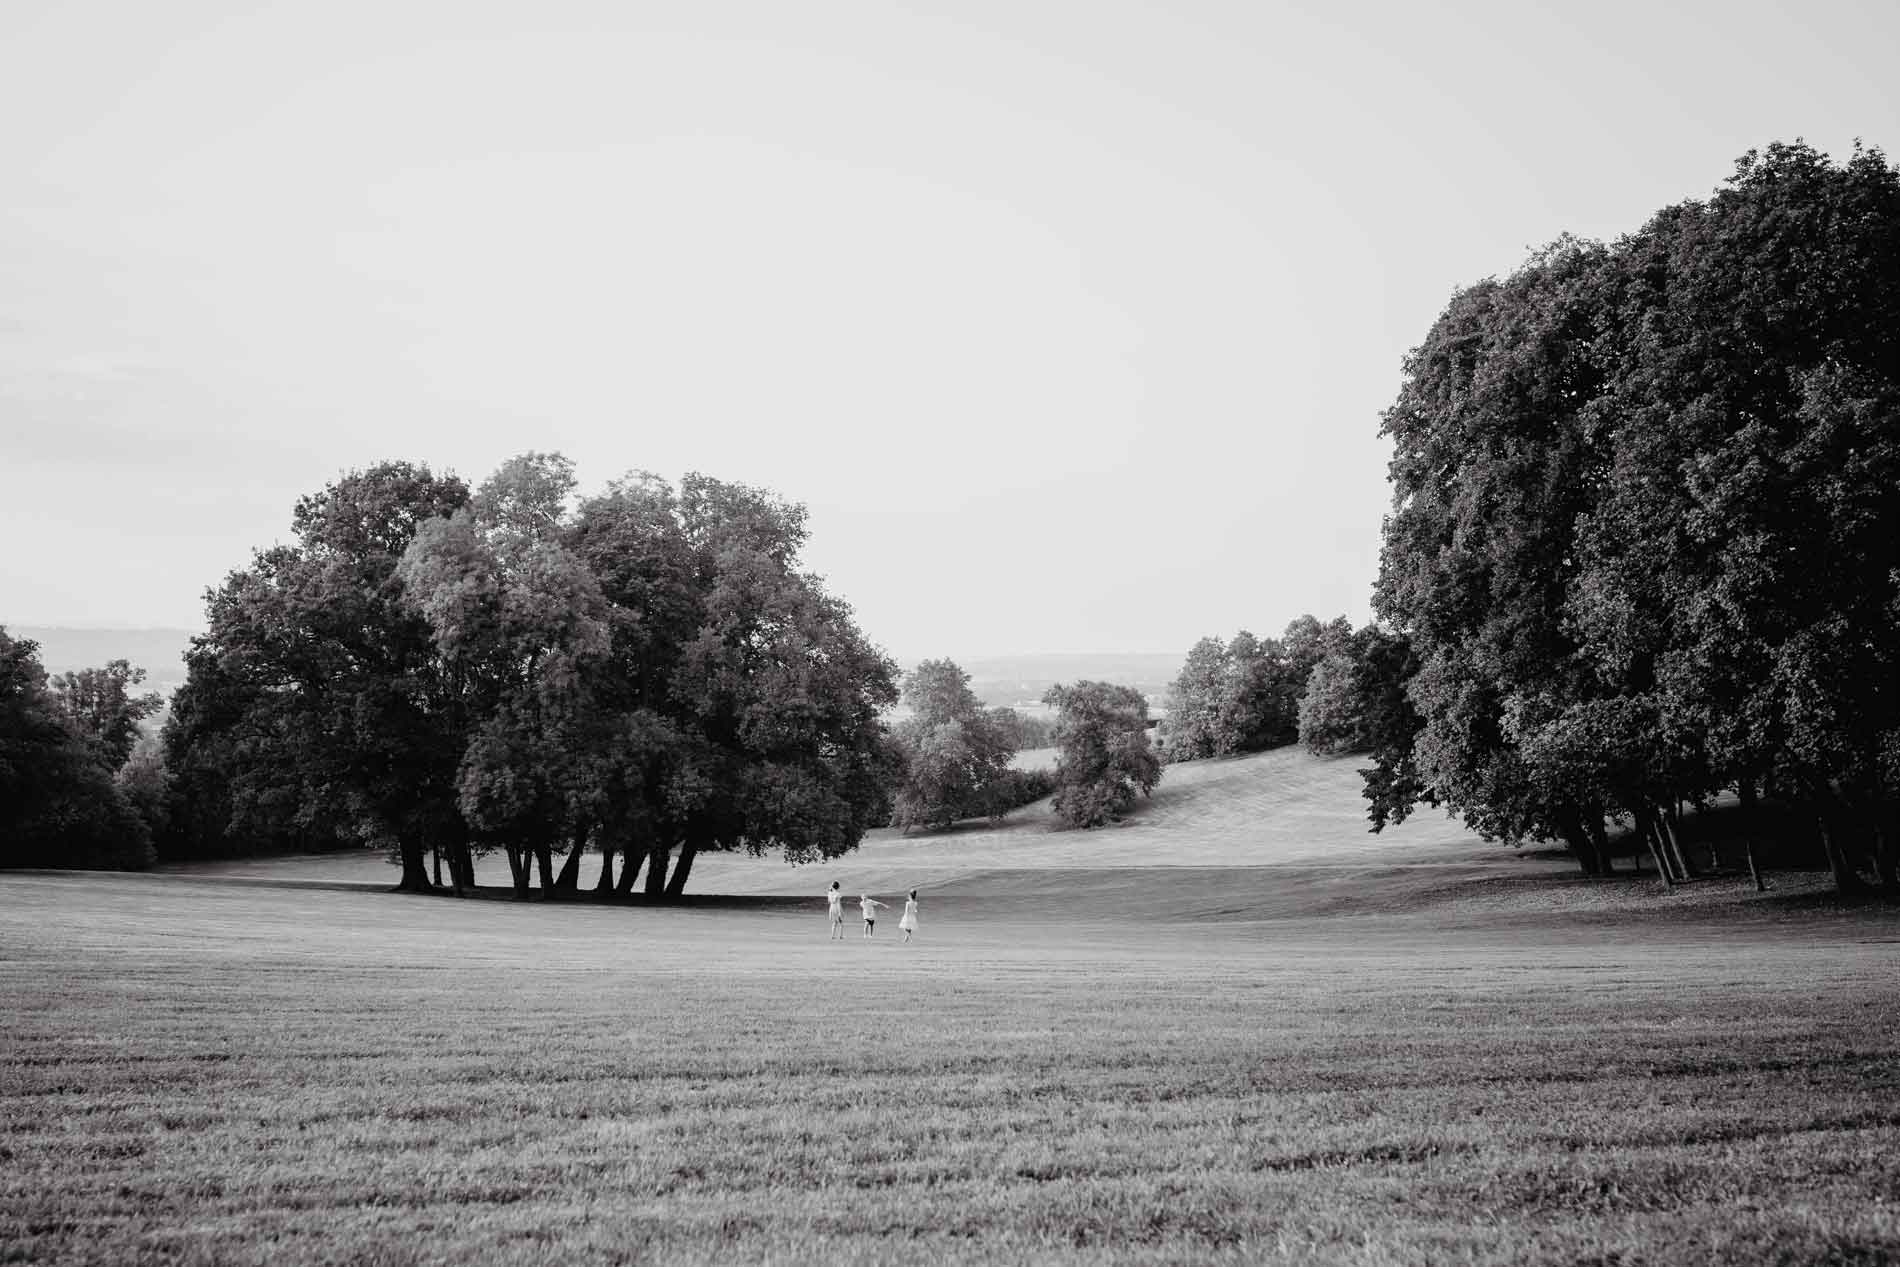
pixel 1021 680
pixel 160 652
pixel 1269 809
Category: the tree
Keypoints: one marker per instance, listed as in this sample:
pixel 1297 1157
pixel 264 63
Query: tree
pixel 315 704
pixel 1645 519
pixel 1026 733
pixel 59 806
pixel 1244 695
pixel 426 670
pixel 98 704
pixel 956 753
pixel 1331 713
pixel 778 694
pixel 519 621
pixel 1103 757
pixel 1195 701
pixel 1383 666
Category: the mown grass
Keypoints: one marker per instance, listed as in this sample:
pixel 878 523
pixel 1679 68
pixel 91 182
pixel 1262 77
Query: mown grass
pixel 204 1073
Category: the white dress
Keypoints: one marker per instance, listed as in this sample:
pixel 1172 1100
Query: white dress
pixel 909 922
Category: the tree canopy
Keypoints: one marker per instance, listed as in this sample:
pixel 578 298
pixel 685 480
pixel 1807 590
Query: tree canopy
pixel 1103 757
pixel 1645 539
pixel 63 744
pixel 645 671
pixel 1244 695
pixel 956 753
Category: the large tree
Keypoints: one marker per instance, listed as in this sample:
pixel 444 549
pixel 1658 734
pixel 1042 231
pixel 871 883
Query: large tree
pixel 315 704
pixel 649 672
pixel 956 752
pixel 99 704
pixel 518 621
pixel 59 804
pixel 1644 527
pixel 1103 757
pixel 777 693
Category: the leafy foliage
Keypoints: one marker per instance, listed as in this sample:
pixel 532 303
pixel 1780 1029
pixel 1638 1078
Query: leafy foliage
pixel 645 670
pixel 1103 757
pixel 61 744
pixel 956 753
pixel 1646 531
pixel 1244 695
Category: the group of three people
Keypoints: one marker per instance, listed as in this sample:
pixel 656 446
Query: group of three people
pixel 834 898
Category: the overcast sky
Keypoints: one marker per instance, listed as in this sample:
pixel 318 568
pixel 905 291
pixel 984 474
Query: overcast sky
pixel 1071 323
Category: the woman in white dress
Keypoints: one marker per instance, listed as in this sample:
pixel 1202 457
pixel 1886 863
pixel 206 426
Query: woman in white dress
pixel 909 922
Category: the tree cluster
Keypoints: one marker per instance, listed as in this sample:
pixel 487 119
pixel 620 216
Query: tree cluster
pixel 78 788
pixel 644 671
pixel 1645 539
pixel 1244 695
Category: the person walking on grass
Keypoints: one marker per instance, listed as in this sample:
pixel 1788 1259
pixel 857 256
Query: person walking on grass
pixel 834 903
pixel 870 906
pixel 909 922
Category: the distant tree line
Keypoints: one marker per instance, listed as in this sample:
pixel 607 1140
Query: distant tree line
pixel 78 787
pixel 1245 694
pixel 518 670
pixel 1645 540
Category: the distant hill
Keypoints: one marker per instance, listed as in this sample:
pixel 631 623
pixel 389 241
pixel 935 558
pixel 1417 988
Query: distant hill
pixel 997 680
pixel 160 652
pixel 1020 680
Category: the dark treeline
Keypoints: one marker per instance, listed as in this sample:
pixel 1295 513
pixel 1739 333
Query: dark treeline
pixel 1644 550
pixel 446 674
pixel 1645 540
pixel 79 787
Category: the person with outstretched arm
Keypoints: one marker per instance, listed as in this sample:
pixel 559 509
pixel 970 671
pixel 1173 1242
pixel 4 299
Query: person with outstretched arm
pixel 870 906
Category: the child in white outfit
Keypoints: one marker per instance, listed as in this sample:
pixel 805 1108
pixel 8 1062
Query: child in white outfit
pixel 834 905
pixel 870 906
pixel 909 922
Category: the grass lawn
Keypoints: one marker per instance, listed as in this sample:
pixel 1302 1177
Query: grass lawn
pixel 197 1069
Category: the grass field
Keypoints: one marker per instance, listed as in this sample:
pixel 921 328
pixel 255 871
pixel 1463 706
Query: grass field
pixel 1423 1057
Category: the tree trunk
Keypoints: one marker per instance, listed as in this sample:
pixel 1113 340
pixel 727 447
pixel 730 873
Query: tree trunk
pixel 520 869
pixel 435 851
pixel 1750 813
pixel 630 860
pixel 1582 848
pixel 1593 823
pixel 1885 845
pixel 1646 828
pixel 1748 852
pixel 544 858
pixel 415 871
pixel 605 884
pixel 1674 843
pixel 463 857
pixel 570 878
pixel 656 872
pixel 681 869
pixel 1846 879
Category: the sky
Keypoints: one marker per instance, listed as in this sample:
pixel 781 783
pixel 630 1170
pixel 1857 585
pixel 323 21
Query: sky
pixel 1071 324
